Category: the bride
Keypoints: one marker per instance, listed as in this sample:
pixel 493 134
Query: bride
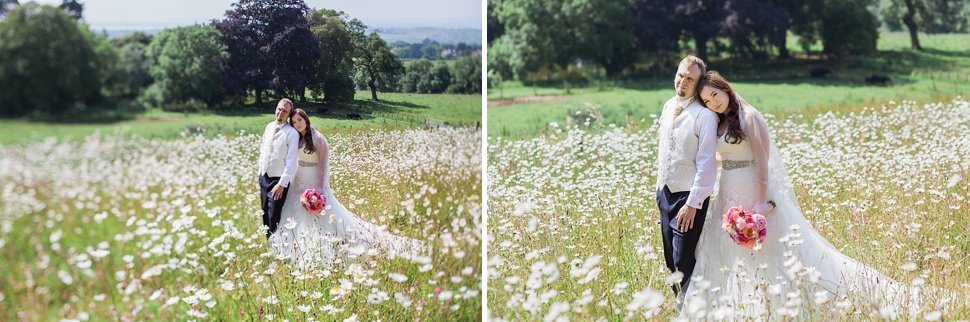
pixel 310 240
pixel 795 267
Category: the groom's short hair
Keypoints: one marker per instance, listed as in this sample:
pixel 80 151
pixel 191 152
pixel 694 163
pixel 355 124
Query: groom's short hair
pixel 288 102
pixel 693 60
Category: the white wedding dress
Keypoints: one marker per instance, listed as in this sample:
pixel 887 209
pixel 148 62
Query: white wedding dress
pixel 313 240
pixel 794 269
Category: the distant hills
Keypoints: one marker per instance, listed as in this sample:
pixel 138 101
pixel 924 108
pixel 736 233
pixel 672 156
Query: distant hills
pixel 391 35
pixel 441 35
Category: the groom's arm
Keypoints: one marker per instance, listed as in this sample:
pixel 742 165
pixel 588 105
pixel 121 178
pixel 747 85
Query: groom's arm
pixel 266 139
pixel 660 129
pixel 706 161
pixel 289 168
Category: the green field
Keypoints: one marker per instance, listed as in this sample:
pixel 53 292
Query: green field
pixel 395 110
pixel 776 86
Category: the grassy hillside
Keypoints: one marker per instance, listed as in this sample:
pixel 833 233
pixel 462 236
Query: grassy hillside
pixel 777 86
pixel 395 110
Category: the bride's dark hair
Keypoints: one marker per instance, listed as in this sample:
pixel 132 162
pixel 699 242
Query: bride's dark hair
pixel 306 138
pixel 735 134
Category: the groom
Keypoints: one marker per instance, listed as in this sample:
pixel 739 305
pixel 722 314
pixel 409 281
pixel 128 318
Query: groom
pixel 686 169
pixel 277 164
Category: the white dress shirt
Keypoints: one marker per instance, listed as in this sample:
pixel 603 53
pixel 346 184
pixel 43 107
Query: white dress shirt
pixel 685 157
pixel 277 154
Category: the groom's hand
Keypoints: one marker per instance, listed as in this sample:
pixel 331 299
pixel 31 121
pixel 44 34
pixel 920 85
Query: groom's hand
pixel 277 192
pixel 685 218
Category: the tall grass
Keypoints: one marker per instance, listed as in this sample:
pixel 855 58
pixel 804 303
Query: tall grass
pixel 120 227
pixel 573 224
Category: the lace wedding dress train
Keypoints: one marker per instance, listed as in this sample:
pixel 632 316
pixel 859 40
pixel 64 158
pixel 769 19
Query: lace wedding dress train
pixel 336 235
pixel 794 269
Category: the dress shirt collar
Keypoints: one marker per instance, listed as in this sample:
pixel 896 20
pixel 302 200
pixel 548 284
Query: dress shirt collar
pixel 686 103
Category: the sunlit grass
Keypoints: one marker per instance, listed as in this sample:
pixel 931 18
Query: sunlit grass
pixel 773 86
pixel 394 111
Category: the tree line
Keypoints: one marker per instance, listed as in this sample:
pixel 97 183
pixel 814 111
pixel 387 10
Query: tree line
pixel 51 62
pixel 432 50
pixel 528 36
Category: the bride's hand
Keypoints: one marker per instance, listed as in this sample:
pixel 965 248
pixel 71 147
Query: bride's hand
pixel 764 207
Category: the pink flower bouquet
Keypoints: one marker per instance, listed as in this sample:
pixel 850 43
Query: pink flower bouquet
pixel 745 228
pixel 313 201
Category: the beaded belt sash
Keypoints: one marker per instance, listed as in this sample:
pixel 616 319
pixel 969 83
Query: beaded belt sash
pixel 735 164
pixel 307 164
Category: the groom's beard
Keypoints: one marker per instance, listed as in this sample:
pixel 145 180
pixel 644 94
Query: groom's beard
pixel 681 95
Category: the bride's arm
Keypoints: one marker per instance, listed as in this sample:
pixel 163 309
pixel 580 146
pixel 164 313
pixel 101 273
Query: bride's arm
pixel 323 154
pixel 758 136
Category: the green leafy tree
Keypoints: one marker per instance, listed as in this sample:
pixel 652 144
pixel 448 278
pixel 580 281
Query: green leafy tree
pixel 338 37
pixel 848 27
pixel 437 81
pixel 131 73
pixel 495 28
pixel 187 68
pixel 139 37
pixel 466 76
pixel 929 16
pixel 425 77
pixel 542 34
pixel 843 26
pixel 49 63
pixel 414 72
pixel 377 66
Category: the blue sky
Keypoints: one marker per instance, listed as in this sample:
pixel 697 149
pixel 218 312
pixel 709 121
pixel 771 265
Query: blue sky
pixel 155 14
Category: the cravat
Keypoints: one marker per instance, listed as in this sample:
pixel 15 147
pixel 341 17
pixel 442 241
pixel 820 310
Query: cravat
pixel 681 108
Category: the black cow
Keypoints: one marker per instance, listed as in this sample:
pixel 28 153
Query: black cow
pixel 819 72
pixel 876 79
pixel 353 116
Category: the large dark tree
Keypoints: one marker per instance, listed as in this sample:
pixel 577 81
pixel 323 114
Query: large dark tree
pixel 74 8
pixel 654 28
pixel 338 37
pixel 49 63
pixel 7 5
pixel 377 67
pixel 270 47
pixel 792 10
pixel 754 28
pixel 701 20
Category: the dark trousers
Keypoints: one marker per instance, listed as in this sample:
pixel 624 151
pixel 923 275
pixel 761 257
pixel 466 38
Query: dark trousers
pixel 272 209
pixel 679 246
